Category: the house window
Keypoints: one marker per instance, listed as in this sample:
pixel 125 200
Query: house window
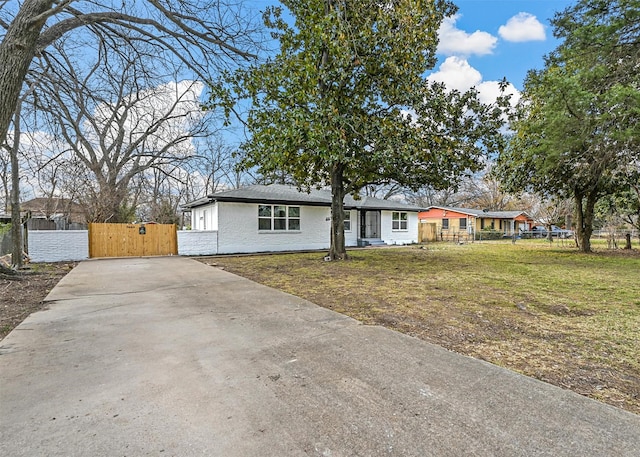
pixel 278 217
pixel 264 217
pixel 293 218
pixel 445 224
pixel 347 221
pixel 463 223
pixel 399 220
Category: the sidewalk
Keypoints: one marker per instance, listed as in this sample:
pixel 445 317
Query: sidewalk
pixel 170 357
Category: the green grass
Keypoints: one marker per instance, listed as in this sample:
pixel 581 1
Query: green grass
pixel 542 309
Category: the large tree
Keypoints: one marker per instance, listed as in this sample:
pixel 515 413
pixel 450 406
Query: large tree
pixel 577 125
pixel 345 103
pixel 115 128
pixel 201 35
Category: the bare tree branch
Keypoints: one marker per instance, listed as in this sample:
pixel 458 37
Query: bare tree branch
pixel 184 32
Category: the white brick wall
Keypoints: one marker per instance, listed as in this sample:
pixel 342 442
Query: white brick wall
pixel 58 245
pixel 351 236
pixel 238 230
pixel 197 242
pixel 392 237
pixel 73 245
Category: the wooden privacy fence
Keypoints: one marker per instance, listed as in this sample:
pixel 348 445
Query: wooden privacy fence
pixel 132 240
pixel 427 232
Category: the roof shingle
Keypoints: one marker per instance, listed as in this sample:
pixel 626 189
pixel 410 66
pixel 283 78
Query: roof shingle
pixel 278 193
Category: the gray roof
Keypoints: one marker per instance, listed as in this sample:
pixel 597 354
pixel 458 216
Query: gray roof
pixel 277 193
pixel 482 212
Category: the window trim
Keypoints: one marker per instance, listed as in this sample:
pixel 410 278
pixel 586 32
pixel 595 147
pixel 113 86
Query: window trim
pixel 276 216
pixel 347 219
pixel 445 223
pixel 398 223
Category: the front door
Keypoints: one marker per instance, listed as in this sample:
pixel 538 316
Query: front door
pixel 370 224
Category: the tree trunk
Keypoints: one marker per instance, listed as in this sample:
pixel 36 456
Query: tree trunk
pixel 6 188
pixel 17 244
pixel 584 223
pixel 107 203
pixel 16 222
pixel 628 241
pixel 337 250
pixel 17 50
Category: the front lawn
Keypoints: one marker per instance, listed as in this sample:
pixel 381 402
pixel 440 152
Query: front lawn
pixel 543 310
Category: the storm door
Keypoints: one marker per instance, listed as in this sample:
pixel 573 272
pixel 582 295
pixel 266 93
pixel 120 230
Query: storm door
pixel 370 224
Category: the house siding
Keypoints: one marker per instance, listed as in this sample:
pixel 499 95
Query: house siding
pixel 478 222
pixel 350 237
pixel 523 223
pixel 391 237
pixel 205 217
pixel 238 230
pixel 436 215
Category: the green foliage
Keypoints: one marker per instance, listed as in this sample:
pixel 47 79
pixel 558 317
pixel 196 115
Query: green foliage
pixel 126 214
pixel 623 205
pixel 345 102
pixel 576 129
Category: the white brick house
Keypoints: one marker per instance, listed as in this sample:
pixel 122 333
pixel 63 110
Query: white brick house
pixel 281 218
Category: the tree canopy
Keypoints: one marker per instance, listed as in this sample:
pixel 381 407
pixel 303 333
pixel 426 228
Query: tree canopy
pixel 345 103
pixel 576 129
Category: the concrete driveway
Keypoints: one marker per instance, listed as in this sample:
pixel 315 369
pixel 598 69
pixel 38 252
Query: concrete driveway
pixel 170 357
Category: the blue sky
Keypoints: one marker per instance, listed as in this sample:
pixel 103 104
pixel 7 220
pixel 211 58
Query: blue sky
pixel 488 40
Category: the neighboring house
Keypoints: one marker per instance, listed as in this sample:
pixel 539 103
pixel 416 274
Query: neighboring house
pixel 447 223
pixel 281 218
pixel 53 214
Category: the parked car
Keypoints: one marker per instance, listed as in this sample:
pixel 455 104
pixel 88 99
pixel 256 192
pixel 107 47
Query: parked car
pixel 541 231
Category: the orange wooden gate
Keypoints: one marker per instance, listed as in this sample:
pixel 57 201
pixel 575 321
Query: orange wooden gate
pixel 132 240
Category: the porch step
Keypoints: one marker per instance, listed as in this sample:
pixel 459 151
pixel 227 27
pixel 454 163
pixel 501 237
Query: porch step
pixel 371 242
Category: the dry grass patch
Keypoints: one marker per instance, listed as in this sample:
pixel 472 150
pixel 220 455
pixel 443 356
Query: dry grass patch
pixel 24 293
pixel 549 312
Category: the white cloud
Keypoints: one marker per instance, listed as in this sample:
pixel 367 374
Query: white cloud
pixel 489 91
pixel 454 41
pixel 522 27
pixel 456 74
